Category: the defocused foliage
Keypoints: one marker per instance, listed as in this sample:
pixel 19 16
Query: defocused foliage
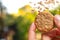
pixel 23 19
pixel 56 10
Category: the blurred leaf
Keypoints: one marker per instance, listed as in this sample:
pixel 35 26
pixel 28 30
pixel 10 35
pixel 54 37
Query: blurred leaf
pixel 56 10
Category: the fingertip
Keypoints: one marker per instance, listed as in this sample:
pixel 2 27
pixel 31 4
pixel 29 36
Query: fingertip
pixel 33 24
pixel 57 20
pixel 57 17
pixel 33 27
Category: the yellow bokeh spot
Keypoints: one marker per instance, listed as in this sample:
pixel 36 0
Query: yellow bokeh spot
pixel 21 12
pixel 24 10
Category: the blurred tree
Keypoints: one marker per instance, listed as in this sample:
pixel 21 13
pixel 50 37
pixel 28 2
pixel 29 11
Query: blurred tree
pixel 27 8
pixel 23 20
pixel 9 19
pixel 27 16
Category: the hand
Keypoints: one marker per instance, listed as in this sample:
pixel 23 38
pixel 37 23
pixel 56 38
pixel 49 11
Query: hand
pixel 32 34
pixel 54 32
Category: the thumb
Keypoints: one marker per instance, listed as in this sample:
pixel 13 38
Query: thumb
pixel 57 20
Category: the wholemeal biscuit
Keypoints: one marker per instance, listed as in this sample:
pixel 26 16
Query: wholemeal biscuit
pixel 44 21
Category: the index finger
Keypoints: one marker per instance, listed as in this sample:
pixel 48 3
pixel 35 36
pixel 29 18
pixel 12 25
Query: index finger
pixel 32 34
pixel 32 27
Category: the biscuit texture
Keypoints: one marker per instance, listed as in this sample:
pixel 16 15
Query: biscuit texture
pixel 44 21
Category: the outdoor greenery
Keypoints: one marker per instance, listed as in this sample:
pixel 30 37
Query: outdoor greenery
pixel 56 10
pixel 23 19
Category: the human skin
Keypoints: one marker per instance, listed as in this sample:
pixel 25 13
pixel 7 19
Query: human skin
pixel 32 34
pixel 54 33
pixel 51 35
